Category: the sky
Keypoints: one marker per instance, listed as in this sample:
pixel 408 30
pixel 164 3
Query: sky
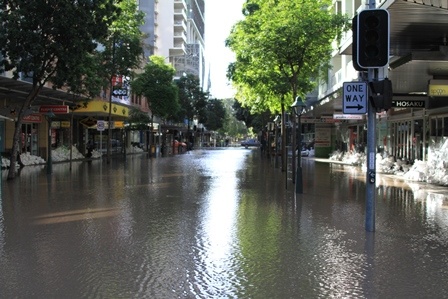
pixel 220 16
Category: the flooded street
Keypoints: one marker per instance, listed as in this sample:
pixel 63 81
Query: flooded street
pixel 217 224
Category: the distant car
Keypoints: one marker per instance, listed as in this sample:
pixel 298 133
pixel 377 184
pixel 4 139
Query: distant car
pixel 250 142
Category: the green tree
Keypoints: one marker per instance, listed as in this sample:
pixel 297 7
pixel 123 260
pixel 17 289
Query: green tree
pixel 254 120
pixel 193 100
pixel 53 41
pixel 216 115
pixel 232 126
pixel 120 51
pixel 156 84
pixel 138 120
pixel 280 47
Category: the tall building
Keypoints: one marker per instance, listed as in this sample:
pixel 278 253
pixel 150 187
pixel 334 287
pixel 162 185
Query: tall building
pixel 175 30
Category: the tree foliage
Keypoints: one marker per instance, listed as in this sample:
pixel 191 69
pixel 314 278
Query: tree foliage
pixel 156 84
pixel 254 120
pixel 138 120
pixel 193 100
pixel 216 114
pixel 52 41
pixel 120 52
pixel 280 47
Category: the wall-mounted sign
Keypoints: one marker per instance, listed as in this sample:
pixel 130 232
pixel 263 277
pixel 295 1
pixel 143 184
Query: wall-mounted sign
pixel 32 118
pixel 56 109
pixel 409 103
pixel 438 88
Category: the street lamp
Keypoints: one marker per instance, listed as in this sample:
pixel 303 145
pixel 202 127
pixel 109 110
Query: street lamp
pixel 277 120
pixel 48 116
pixel 299 107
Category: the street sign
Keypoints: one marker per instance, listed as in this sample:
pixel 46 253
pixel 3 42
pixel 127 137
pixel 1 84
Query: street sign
pixel 100 126
pixel 354 98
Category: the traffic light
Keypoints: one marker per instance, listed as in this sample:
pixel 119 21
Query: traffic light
pixel 373 38
pixel 381 94
pixel 355 45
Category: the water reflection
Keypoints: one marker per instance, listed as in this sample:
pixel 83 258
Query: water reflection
pixel 218 224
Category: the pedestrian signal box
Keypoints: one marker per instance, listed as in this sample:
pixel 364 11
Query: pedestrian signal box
pixel 373 38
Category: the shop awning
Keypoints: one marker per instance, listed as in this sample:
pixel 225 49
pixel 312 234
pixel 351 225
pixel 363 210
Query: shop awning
pixel 100 109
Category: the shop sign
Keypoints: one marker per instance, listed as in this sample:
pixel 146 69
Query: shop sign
pixel 438 90
pixel 56 109
pixel 323 120
pixel 88 121
pixel 32 118
pixel 65 124
pixel 409 104
pixel 348 116
pixel 55 124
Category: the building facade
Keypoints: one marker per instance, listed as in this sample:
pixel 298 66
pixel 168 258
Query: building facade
pixel 173 29
pixel 418 69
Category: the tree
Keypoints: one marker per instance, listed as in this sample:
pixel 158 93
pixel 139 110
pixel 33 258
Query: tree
pixel 216 115
pixel 254 120
pixel 52 41
pixel 156 84
pixel 121 51
pixel 280 48
pixel 192 98
pixel 138 120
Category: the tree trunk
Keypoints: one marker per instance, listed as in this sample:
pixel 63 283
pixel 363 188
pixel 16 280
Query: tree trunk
pixel 18 131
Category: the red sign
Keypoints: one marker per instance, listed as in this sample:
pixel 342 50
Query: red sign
pixel 32 118
pixel 56 109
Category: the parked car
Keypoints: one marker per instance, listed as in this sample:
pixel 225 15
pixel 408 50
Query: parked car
pixel 250 142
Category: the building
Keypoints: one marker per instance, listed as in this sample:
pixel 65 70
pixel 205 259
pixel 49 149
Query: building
pixel 418 69
pixel 175 30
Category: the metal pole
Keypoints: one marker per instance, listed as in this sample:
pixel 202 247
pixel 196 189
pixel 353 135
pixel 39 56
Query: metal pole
pixel 294 145
pixel 371 153
pixel 109 128
pixel 299 181
pixel 276 146
pixel 49 161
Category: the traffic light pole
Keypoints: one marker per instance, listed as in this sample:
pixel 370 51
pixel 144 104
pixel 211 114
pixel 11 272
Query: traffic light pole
pixel 372 75
pixel 371 160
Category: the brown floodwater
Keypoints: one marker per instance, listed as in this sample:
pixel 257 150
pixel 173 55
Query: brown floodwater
pixel 218 224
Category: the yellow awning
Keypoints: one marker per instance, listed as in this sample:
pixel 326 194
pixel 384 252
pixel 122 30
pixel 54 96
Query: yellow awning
pixel 101 108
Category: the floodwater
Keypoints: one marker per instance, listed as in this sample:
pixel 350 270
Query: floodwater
pixel 217 224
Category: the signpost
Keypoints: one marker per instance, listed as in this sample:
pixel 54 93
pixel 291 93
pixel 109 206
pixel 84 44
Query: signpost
pixel 354 98
pixel 100 126
pixel 371 53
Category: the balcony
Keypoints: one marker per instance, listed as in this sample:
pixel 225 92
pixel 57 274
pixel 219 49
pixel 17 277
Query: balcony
pixel 180 14
pixel 178 49
pixel 180 24
pixel 182 4
pixel 179 37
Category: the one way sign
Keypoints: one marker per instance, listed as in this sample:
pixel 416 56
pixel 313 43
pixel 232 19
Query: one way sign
pixel 354 98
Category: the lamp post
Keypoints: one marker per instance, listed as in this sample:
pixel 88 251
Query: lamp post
pixel 276 122
pixel 48 116
pixel 298 107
